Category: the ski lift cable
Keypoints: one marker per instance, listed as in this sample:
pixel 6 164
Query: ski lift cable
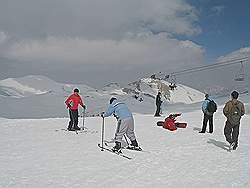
pixel 207 67
pixel 217 65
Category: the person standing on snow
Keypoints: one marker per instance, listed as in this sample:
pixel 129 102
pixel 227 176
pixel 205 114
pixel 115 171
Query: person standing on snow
pixel 125 123
pixel 158 104
pixel 233 110
pixel 72 103
pixel 208 109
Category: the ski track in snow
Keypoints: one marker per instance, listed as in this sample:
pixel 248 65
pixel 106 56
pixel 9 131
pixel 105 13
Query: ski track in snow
pixel 37 153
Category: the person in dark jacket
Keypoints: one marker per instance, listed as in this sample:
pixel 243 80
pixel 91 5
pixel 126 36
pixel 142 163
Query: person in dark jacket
pixel 233 110
pixel 208 116
pixel 158 104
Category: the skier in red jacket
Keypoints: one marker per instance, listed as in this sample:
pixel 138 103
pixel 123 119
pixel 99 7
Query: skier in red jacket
pixel 170 123
pixel 72 103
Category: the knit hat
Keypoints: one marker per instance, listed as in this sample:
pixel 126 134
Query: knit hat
pixel 171 115
pixel 76 90
pixel 235 94
pixel 112 99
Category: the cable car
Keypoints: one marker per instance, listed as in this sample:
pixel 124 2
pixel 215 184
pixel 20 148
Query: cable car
pixel 240 76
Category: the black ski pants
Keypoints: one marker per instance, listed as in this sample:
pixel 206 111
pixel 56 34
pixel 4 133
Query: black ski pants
pixel 231 132
pixel 158 109
pixel 73 115
pixel 205 120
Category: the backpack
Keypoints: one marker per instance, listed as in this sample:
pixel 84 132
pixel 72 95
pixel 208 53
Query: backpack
pixel 234 115
pixel 211 106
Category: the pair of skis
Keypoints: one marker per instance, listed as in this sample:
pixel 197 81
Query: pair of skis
pixel 106 148
pixel 115 152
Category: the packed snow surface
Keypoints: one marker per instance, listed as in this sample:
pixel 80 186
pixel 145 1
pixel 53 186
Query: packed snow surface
pixel 37 153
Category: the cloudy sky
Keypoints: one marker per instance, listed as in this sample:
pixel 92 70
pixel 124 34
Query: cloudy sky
pixel 102 41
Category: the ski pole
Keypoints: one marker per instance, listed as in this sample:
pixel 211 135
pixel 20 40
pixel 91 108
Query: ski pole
pixel 126 139
pixel 83 118
pixel 102 132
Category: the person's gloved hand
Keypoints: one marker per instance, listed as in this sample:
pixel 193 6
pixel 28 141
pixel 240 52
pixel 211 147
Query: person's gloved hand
pixel 102 114
pixel 84 107
pixel 68 105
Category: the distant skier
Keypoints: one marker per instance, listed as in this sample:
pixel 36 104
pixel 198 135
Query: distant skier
pixel 158 104
pixel 209 107
pixel 233 110
pixel 72 103
pixel 125 123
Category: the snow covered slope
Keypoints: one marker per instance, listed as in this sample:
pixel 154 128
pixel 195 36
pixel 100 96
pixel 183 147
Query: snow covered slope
pixel 37 153
pixel 40 97
pixel 181 94
pixel 15 88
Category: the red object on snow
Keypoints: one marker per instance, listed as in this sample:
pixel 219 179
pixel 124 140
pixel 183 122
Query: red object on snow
pixel 170 123
pixel 74 100
pixel 181 125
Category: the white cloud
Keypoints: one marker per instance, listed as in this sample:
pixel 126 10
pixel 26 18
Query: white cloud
pixel 94 31
pixel 237 54
pixel 3 37
pixel 145 49
pixel 94 19
pixel 101 35
pixel 3 42
pixel 218 10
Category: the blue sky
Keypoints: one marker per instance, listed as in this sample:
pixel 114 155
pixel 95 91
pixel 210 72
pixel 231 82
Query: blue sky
pixel 225 26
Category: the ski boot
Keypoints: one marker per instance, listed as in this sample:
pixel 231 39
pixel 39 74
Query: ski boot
pixel 76 128
pixel 70 128
pixel 117 147
pixel 134 145
pixel 231 146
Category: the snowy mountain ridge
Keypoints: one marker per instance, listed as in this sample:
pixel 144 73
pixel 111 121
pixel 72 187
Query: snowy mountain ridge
pixel 180 94
pixel 46 96
pixel 13 88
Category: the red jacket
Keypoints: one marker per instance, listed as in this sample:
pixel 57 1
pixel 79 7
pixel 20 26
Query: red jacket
pixel 74 100
pixel 170 122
